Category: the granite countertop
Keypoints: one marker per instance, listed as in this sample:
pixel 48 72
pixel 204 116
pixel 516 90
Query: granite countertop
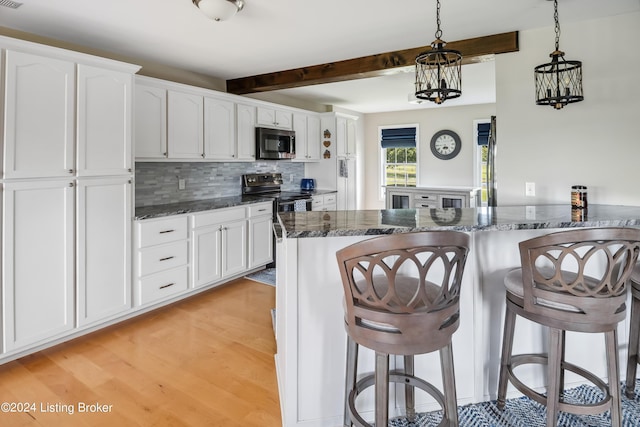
pixel 158 211
pixel 168 209
pixel 374 222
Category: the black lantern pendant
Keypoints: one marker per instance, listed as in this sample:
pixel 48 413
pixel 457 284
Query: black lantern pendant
pixel 439 71
pixel 559 82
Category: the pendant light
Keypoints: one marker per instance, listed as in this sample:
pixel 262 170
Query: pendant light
pixel 559 82
pixel 439 71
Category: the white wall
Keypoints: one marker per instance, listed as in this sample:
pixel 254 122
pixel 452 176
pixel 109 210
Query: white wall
pixel 595 142
pixel 432 171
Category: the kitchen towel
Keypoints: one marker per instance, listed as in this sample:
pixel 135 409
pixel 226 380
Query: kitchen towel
pixel 300 205
pixel 344 171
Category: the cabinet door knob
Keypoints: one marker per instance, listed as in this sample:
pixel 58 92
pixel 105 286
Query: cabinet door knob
pixel 70 171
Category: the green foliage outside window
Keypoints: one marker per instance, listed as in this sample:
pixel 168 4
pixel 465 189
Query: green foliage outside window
pixel 400 167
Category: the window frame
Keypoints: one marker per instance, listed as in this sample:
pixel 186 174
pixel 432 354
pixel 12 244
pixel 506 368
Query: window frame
pixel 477 159
pixel 382 158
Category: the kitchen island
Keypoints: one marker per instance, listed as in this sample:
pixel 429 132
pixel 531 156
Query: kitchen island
pixel 310 331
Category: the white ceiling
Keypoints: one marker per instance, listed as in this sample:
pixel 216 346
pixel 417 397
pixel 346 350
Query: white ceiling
pixel 275 35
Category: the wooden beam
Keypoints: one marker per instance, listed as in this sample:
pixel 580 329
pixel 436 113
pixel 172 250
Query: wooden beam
pixel 473 50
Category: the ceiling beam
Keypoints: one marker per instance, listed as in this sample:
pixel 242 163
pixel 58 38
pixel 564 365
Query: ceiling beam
pixel 473 50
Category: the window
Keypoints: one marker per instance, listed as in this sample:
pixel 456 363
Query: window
pixel 399 157
pixel 482 132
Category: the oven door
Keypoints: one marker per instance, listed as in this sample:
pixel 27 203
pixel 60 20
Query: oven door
pixel 299 205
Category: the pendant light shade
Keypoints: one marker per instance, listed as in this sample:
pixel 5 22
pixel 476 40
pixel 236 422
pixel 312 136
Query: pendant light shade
pixel 558 82
pixel 219 10
pixel 438 71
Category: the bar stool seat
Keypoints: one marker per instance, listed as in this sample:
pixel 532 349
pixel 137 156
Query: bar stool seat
pixel 634 334
pixel 402 296
pixel 569 281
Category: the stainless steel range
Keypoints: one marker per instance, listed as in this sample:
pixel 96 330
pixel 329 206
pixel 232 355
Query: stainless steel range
pixel 263 185
pixel 270 184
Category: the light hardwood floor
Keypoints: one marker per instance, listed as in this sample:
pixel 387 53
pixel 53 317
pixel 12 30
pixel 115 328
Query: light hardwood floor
pixel 206 361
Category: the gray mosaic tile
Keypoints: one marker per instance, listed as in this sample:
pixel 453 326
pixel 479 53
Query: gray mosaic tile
pixel 156 183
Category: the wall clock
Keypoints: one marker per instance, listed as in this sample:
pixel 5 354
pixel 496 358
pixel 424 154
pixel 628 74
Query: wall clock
pixel 445 144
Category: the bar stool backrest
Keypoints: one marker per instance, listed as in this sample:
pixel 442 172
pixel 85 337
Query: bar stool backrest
pixel 577 270
pixel 402 291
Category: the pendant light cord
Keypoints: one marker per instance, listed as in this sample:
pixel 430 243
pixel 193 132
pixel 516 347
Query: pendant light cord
pixel 555 17
pixel 439 31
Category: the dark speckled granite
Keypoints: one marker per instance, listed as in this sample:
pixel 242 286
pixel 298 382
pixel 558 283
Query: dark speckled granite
pixel 374 222
pixel 147 212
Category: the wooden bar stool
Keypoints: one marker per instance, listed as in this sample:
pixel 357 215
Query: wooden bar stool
pixel 553 289
pixel 634 333
pixel 402 296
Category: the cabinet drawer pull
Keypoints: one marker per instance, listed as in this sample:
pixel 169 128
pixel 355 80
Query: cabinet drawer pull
pixel 262 210
pixel 166 231
pixel 166 286
pixel 167 258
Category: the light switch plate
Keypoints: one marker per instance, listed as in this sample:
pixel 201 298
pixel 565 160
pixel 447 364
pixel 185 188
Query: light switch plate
pixel 530 189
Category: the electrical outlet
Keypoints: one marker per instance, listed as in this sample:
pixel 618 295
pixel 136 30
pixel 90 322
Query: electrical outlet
pixel 181 184
pixel 291 178
pixel 530 189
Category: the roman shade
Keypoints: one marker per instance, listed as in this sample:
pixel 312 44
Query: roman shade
pixel 484 131
pixel 398 138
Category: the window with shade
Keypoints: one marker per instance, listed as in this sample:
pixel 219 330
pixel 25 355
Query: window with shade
pixel 482 133
pixel 399 157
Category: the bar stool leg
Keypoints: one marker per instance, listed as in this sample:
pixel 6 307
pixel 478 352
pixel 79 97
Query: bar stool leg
pixel 409 392
pixel 505 360
pixel 449 384
pixel 554 361
pixel 352 371
pixel 611 345
pixel 634 337
pixel 382 389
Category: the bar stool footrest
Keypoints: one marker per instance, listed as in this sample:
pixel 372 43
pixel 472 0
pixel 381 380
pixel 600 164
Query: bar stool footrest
pixel 574 408
pixel 400 378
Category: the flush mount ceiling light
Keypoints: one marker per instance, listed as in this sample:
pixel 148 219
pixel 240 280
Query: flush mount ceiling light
pixel 439 71
pixel 219 10
pixel 559 82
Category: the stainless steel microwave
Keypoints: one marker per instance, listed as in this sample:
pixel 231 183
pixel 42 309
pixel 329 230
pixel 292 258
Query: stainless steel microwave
pixel 275 144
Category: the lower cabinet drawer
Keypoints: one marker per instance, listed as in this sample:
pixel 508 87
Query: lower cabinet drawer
pixel 161 285
pixel 162 257
pixel 425 205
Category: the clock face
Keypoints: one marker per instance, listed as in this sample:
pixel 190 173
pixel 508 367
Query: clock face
pixel 445 144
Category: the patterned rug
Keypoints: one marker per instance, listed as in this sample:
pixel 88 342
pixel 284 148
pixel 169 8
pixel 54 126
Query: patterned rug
pixel 266 276
pixel 524 412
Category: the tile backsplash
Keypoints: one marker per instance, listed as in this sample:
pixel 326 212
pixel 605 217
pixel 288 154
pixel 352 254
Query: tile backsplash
pixel 156 183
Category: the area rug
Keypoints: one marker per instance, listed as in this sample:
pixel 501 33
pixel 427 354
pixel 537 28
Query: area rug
pixel 266 276
pixel 524 412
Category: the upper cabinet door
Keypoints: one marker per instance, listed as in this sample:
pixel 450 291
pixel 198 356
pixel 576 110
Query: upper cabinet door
pixel 150 129
pixel 219 129
pixel 39 120
pixel 275 118
pixel 104 121
pixel 246 132
pixel 185 125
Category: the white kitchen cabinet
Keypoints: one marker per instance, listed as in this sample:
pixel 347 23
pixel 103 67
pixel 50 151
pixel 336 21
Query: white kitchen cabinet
pixel 260 235
pixel 150 115
pixel 219 129
pixel 325 202
pixel 346 184
pixel 307 128
pixel 37 261
pixel 39 109
pixel 162 259
pixel 104 122
pixel 219 245
pixel 274 118
pixel 103 248
pixel 345 137
pixel 246 132
pixel 185 118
